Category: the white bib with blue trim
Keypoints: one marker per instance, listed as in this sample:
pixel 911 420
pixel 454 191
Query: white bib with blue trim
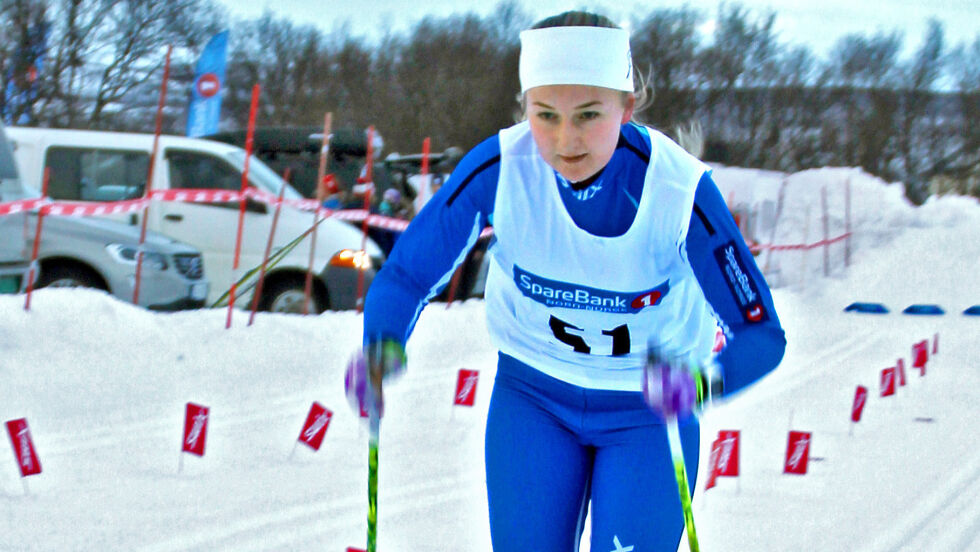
pixel 580 307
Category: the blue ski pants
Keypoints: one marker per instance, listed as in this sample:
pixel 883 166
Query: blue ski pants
pixel 553 448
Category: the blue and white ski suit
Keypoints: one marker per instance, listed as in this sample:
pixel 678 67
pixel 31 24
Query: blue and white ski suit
pixel 582 277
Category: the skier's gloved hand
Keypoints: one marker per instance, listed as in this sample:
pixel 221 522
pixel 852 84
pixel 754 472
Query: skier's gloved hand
pixel 679 388
pixel 367 369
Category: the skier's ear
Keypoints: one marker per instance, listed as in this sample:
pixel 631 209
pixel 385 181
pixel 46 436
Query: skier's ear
pixel 629 103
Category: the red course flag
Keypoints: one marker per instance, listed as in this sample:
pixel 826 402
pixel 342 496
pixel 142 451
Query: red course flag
pixel 920 355
pixel 20 438
pixel 195 429
pixel 352 549
pixel 935 344
pixel 728 453
pixel 466 387
pixel 860 399
pixel 315 427
pixel 713 464
pixel 724 457
pixel 797 452
pixel 888 382
pixel 900 370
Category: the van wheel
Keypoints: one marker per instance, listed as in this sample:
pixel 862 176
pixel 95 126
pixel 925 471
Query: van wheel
pixel 69 276
pixel 287 296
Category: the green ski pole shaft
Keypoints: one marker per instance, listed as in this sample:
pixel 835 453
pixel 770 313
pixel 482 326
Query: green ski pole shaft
pixel 372 519
pixel 680 473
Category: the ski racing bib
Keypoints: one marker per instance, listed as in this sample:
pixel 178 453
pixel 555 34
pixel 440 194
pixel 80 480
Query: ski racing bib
pixel 583 308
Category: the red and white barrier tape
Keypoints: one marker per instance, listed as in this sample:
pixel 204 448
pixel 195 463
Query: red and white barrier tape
pixel 87 208
pixel 198 196
pixel 797 247
pixel 21 205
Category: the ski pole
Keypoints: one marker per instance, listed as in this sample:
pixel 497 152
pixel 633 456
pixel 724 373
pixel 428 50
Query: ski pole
pixel 680 473
pixel 374 431
pixel 655 356
pixel 372 528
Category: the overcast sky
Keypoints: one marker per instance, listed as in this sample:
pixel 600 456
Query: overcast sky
pixel 815 23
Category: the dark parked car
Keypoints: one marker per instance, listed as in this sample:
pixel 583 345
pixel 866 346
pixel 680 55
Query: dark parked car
pixel 297 150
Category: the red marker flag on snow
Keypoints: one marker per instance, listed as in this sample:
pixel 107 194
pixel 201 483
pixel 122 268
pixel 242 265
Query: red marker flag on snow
pixel 466 387
pixel 352 549
pixel 860 399
pixel 920 356
pixel 728 455
pixel 724 456
pixel 797 452
pixel 20 438
pixel 887 382
pixel 713 464
pixel 935 344
pixel 900 371
pixel 315 427
pixel 195 429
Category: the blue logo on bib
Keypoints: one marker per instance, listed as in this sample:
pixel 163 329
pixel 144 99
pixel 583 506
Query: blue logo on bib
pixel 554 293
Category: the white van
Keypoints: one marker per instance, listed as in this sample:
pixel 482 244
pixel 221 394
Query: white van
pixel 109 166
pixel 94 253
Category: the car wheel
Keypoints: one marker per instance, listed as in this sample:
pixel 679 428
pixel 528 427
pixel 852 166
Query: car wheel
pixel 69 276
pixel 287 296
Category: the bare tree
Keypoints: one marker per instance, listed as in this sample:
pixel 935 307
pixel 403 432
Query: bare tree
pixel 23 50
pixel 102 54
pixel 920 136
pixel 731 66
pixel 963 164
pixel 665 47
pixel 863 73
pixel 290 62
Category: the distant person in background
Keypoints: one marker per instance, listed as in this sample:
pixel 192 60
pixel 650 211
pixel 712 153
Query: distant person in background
pixel 393 204
pixel 610 241
pixel 328 193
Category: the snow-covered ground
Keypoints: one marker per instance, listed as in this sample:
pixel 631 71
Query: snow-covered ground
pixel 103 386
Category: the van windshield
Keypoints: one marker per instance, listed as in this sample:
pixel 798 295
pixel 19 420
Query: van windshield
pixel 262 176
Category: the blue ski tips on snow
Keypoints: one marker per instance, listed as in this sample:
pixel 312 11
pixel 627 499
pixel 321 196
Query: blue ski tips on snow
pixel 924 309
pixel 972 311
pixel 871 308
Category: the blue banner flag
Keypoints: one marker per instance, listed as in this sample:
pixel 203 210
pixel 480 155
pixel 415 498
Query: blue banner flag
pixel 204 110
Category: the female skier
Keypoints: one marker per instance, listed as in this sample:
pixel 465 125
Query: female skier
pixel 610 241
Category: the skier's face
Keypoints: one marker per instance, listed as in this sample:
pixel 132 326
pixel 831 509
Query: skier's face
pixel 576 127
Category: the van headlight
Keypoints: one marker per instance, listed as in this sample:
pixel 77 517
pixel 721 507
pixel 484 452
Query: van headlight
pixel 126 254
pixel 348 258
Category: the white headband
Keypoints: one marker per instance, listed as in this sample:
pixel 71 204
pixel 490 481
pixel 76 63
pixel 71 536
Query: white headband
pixel 596 56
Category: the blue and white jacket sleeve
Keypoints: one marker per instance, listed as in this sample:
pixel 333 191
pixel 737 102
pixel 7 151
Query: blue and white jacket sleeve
pixel 735 288
pixel 435 243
